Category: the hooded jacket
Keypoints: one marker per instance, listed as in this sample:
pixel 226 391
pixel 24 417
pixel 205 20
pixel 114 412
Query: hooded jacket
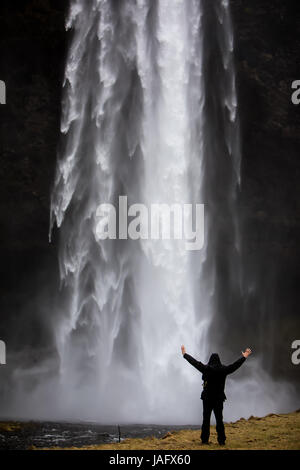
pixel 214 375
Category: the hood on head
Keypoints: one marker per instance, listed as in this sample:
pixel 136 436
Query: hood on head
pixel 214 360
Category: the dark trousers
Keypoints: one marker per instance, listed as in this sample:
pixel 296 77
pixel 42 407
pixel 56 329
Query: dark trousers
pixel 217 408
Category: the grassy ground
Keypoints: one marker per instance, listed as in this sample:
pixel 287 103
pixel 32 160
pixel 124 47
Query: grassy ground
pixel 272 432
pixel 10 427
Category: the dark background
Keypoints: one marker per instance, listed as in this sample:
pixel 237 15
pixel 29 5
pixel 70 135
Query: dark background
pixel 33 45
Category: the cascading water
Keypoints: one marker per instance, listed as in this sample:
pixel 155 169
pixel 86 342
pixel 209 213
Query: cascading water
pixel 137 121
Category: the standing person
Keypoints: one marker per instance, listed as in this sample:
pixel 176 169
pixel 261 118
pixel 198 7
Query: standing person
pixel 213 396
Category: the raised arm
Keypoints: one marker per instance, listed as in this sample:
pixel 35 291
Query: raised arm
pixel 233 367
pixel 197 364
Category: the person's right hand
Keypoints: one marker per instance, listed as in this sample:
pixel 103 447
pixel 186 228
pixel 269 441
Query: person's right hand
pixel 247 352
pixel 183 350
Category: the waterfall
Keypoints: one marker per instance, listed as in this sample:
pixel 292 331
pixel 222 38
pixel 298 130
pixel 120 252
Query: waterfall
pixel 146 113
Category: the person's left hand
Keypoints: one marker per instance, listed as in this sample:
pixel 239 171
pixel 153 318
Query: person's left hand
pixel 183 350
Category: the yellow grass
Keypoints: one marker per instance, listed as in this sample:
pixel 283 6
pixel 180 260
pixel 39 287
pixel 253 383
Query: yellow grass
pixel 9 427
pixel 274 432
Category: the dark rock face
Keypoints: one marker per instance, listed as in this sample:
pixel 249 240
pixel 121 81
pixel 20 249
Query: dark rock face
pixel 33 46
pixel 267 48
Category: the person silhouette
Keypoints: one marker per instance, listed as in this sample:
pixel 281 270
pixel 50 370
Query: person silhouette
pixel 213 394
